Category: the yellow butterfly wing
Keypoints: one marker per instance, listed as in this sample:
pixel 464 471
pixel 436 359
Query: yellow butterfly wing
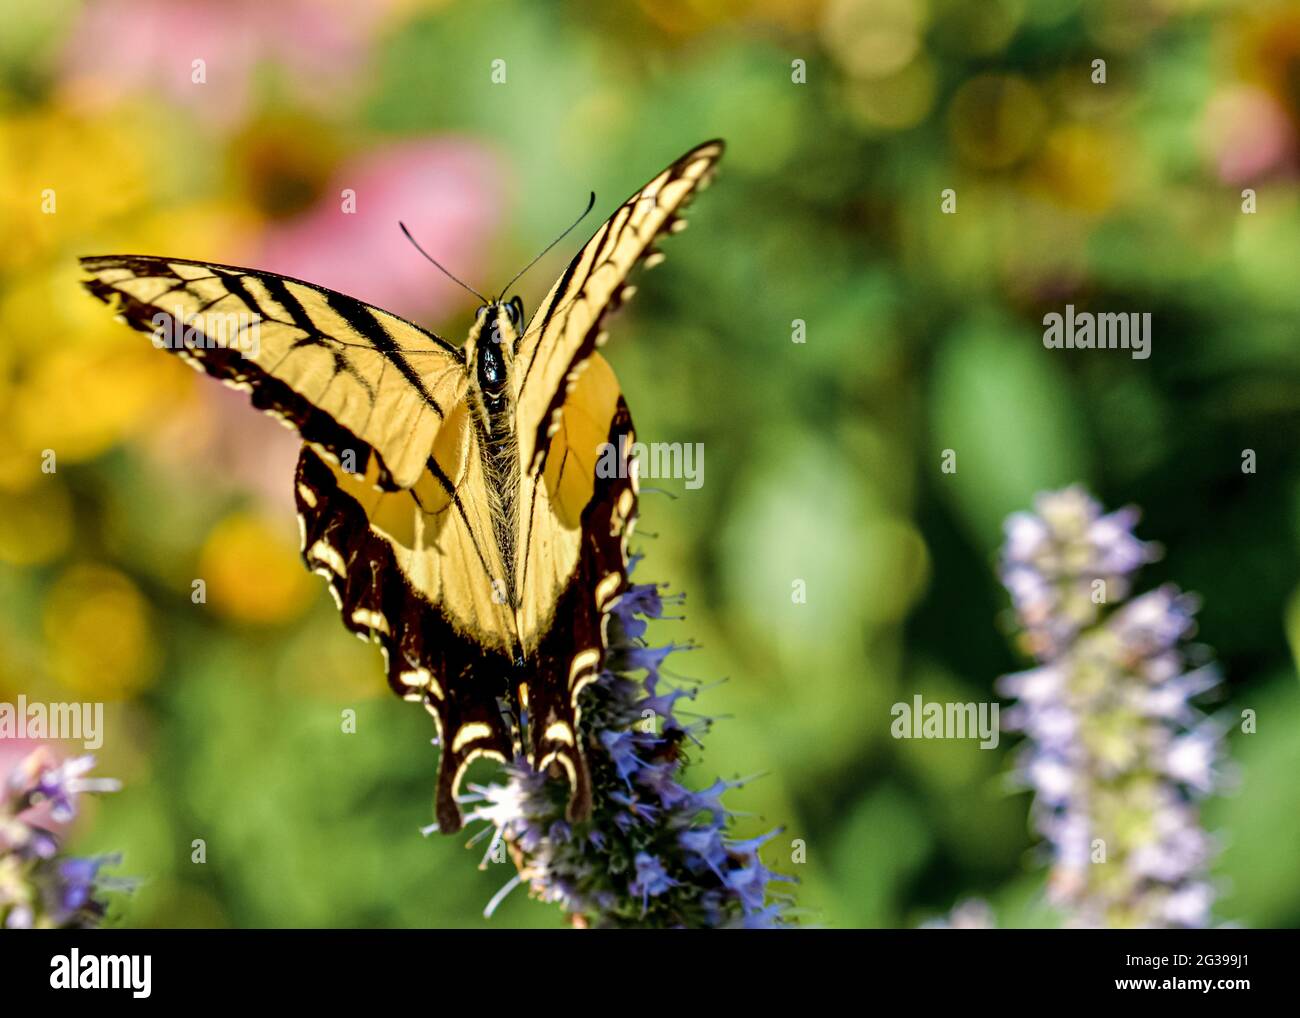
pixel 390 487
pixel 578 485
pixel 579 516
pixel 417 572
pixel 357 382
pixel 566 329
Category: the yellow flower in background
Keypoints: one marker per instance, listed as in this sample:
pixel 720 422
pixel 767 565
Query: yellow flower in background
pixel 252 571
pixel 99 639
pixel 1077 168
pixel 216 226
pixel 35 525
pixel 42 306
pixel 73 380
pixel 874 38
pixel 63 175
pixel 79 403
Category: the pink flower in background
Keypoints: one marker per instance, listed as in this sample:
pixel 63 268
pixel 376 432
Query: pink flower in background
pixel 119 47
pixel 449 193
pixel 1247 135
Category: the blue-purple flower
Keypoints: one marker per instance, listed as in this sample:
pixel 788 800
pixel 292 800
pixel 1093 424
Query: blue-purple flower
pixel 1116 754
pixel 655 852
pixel 38 887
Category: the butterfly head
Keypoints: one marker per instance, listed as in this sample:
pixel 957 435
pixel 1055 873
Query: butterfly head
pixel 492 343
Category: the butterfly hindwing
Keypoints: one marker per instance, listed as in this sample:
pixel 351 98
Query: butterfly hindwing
pixel 355 381
pixel 402 536
pixel 411 571
pixel 579 516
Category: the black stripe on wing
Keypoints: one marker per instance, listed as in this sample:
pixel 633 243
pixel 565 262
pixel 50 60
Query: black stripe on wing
pixel 153 265
pixel 360 319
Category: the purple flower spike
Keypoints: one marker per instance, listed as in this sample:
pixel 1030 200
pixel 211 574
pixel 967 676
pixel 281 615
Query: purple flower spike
pixel 654 852
pixel 1115 752
pixel 40 887
pixel 651 878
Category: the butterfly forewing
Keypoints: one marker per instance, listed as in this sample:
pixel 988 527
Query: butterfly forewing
pixel 566 328
pixel 353 380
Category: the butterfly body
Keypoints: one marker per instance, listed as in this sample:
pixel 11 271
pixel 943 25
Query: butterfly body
pixel 448 495
pixel 490 349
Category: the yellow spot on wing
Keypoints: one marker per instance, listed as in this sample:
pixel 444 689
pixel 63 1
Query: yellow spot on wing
pixel 563 760
pixel 468 733
pixel 421 678
pixel 185 271
pixel 583 661
pixel 371 619
pixel 328 554
pixel 606 588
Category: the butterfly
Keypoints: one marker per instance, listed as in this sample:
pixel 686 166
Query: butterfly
pixel 469 506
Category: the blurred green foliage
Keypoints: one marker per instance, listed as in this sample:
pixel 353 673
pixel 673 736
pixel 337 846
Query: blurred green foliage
pixel 822 458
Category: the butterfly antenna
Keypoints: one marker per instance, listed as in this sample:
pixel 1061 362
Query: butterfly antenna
pixel 440 267
pixel 590 203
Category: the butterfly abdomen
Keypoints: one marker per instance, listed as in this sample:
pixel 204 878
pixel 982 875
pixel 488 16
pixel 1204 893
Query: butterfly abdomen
pixel 501 465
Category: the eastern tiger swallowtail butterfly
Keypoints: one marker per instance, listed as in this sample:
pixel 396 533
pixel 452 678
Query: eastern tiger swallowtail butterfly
pixel 449 495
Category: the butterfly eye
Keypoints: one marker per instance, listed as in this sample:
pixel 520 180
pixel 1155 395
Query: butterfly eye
pixel 480 313
pixel 510 312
